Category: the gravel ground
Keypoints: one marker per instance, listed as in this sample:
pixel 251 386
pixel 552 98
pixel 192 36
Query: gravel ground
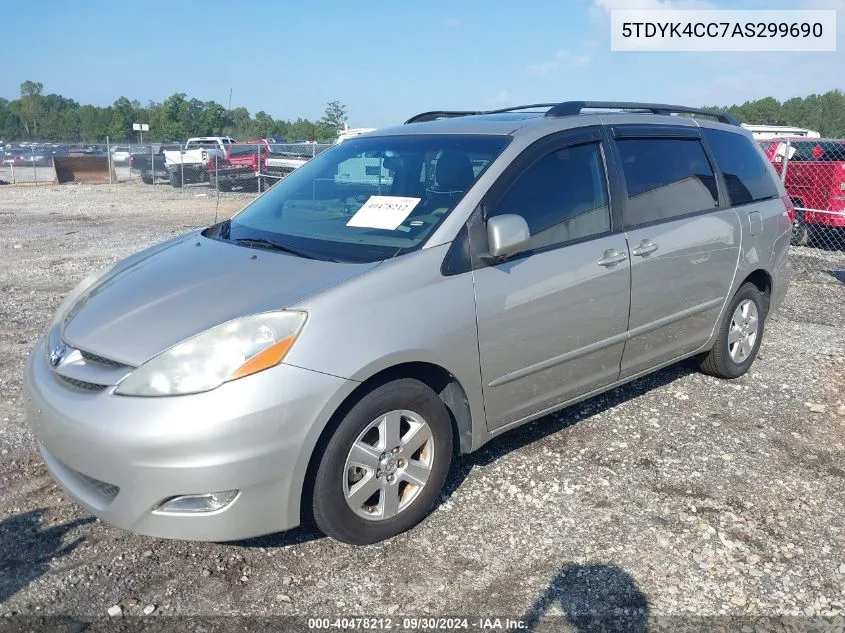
pixel 678 494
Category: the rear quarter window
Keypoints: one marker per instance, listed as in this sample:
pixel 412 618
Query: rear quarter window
pixel 747 176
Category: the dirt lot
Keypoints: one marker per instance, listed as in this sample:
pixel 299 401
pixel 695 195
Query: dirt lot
pixel 678 494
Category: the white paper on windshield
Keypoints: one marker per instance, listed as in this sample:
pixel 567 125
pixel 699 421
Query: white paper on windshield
pixel 383 212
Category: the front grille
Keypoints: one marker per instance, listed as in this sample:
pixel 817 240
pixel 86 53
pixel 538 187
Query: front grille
pixel 90 357
pixel 94 491
pixel 81 384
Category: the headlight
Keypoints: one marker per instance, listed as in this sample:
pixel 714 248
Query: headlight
pixel 226 352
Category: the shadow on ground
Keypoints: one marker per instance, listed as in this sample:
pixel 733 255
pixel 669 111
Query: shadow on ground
pixel 27 548
pixel 590 598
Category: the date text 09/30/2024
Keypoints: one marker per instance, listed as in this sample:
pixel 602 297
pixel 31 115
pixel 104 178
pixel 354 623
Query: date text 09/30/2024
pixel 417 624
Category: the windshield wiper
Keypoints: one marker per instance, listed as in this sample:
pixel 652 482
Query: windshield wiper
pixel 262 242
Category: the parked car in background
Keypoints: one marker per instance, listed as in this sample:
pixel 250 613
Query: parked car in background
pixel 243 166
pixel 191 163
pixel 39 156
pixel 13 156
pixel 120 154
pixel 815 182
pixel 151 166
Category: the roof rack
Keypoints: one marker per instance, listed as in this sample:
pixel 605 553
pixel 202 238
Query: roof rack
pixel 571 108
pixel 449 114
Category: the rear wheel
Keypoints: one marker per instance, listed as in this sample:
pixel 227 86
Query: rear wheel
pixel 146 179
pixel 801 234
pixel 385 465
pixel 175 179
pixel 740 335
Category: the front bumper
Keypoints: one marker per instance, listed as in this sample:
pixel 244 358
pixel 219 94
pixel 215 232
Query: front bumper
pixel 121 457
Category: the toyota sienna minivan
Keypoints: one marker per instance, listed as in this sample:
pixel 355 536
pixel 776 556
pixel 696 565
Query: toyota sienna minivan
pixel 404 297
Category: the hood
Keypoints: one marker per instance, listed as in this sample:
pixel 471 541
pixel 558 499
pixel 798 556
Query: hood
pixel 165 294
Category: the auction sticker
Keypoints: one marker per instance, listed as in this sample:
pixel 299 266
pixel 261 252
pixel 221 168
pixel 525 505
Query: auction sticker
pixel 383 212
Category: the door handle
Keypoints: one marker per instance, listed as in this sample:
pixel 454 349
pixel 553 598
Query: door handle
pixel 646 247
pixel 611 258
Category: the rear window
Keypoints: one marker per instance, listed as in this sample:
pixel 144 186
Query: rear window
pixel 666 178
pixel 746 174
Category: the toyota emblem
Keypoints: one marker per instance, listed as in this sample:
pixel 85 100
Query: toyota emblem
pixel 58 354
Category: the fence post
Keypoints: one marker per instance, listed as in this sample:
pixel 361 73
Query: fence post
pixel 785 164
pixel 182 168
pixel 13 173
pixel 216 179
pixel 258 168
pixel 108 158
pixel 129 159
pixel 152 165
pixel 34 168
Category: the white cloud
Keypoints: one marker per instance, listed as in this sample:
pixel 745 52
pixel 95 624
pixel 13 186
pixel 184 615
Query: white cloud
pixel 500 99
pixel 546 68
pixel 574 60
pixel 562 59
pixel 452 23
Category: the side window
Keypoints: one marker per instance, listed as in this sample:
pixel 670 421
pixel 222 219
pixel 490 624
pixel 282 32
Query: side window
pixel 563 196
pixel 666 178
pixel 746 175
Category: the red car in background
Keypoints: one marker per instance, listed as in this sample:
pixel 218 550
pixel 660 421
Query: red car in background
pixel 250 153
pixel 242 167
pixel 815 182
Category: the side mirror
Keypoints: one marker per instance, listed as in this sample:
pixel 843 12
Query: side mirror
pixel 507 235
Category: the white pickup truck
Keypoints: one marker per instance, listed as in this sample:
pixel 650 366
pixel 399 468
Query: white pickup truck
pixel 191 164
pixel 285 158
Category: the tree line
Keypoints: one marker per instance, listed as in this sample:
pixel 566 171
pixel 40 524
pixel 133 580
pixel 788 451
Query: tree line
pixel 824 113
pixel 50 117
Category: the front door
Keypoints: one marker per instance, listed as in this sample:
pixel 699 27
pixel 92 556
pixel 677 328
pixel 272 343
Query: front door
pixel 552 320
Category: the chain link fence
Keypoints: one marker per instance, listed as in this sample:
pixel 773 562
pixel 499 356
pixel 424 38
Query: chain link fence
pixel 813 172
pixel 217 162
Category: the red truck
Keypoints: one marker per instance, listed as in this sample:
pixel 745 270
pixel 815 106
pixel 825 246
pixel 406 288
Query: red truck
pixel 242 167
pixel 815 182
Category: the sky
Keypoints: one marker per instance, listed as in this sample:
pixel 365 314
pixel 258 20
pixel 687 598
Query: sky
pixel 384 61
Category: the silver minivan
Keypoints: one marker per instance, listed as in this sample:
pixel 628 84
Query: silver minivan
pixel 404 297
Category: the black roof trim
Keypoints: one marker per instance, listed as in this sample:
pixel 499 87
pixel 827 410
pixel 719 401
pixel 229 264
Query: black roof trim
pixel 449 114
pixel 572 108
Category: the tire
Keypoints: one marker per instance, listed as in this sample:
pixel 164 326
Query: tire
pixel 801 234
pixel 730 359
pixel 146 179
pixel 175 179
pixel 409 406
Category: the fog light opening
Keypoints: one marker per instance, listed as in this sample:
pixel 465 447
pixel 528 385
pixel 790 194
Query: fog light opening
pixel 197 504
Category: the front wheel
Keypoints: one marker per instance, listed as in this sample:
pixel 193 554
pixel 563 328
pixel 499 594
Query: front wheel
pixel 385 465
pixel 740 334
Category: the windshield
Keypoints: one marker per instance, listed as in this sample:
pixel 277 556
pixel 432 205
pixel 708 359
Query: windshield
pixel 367 199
